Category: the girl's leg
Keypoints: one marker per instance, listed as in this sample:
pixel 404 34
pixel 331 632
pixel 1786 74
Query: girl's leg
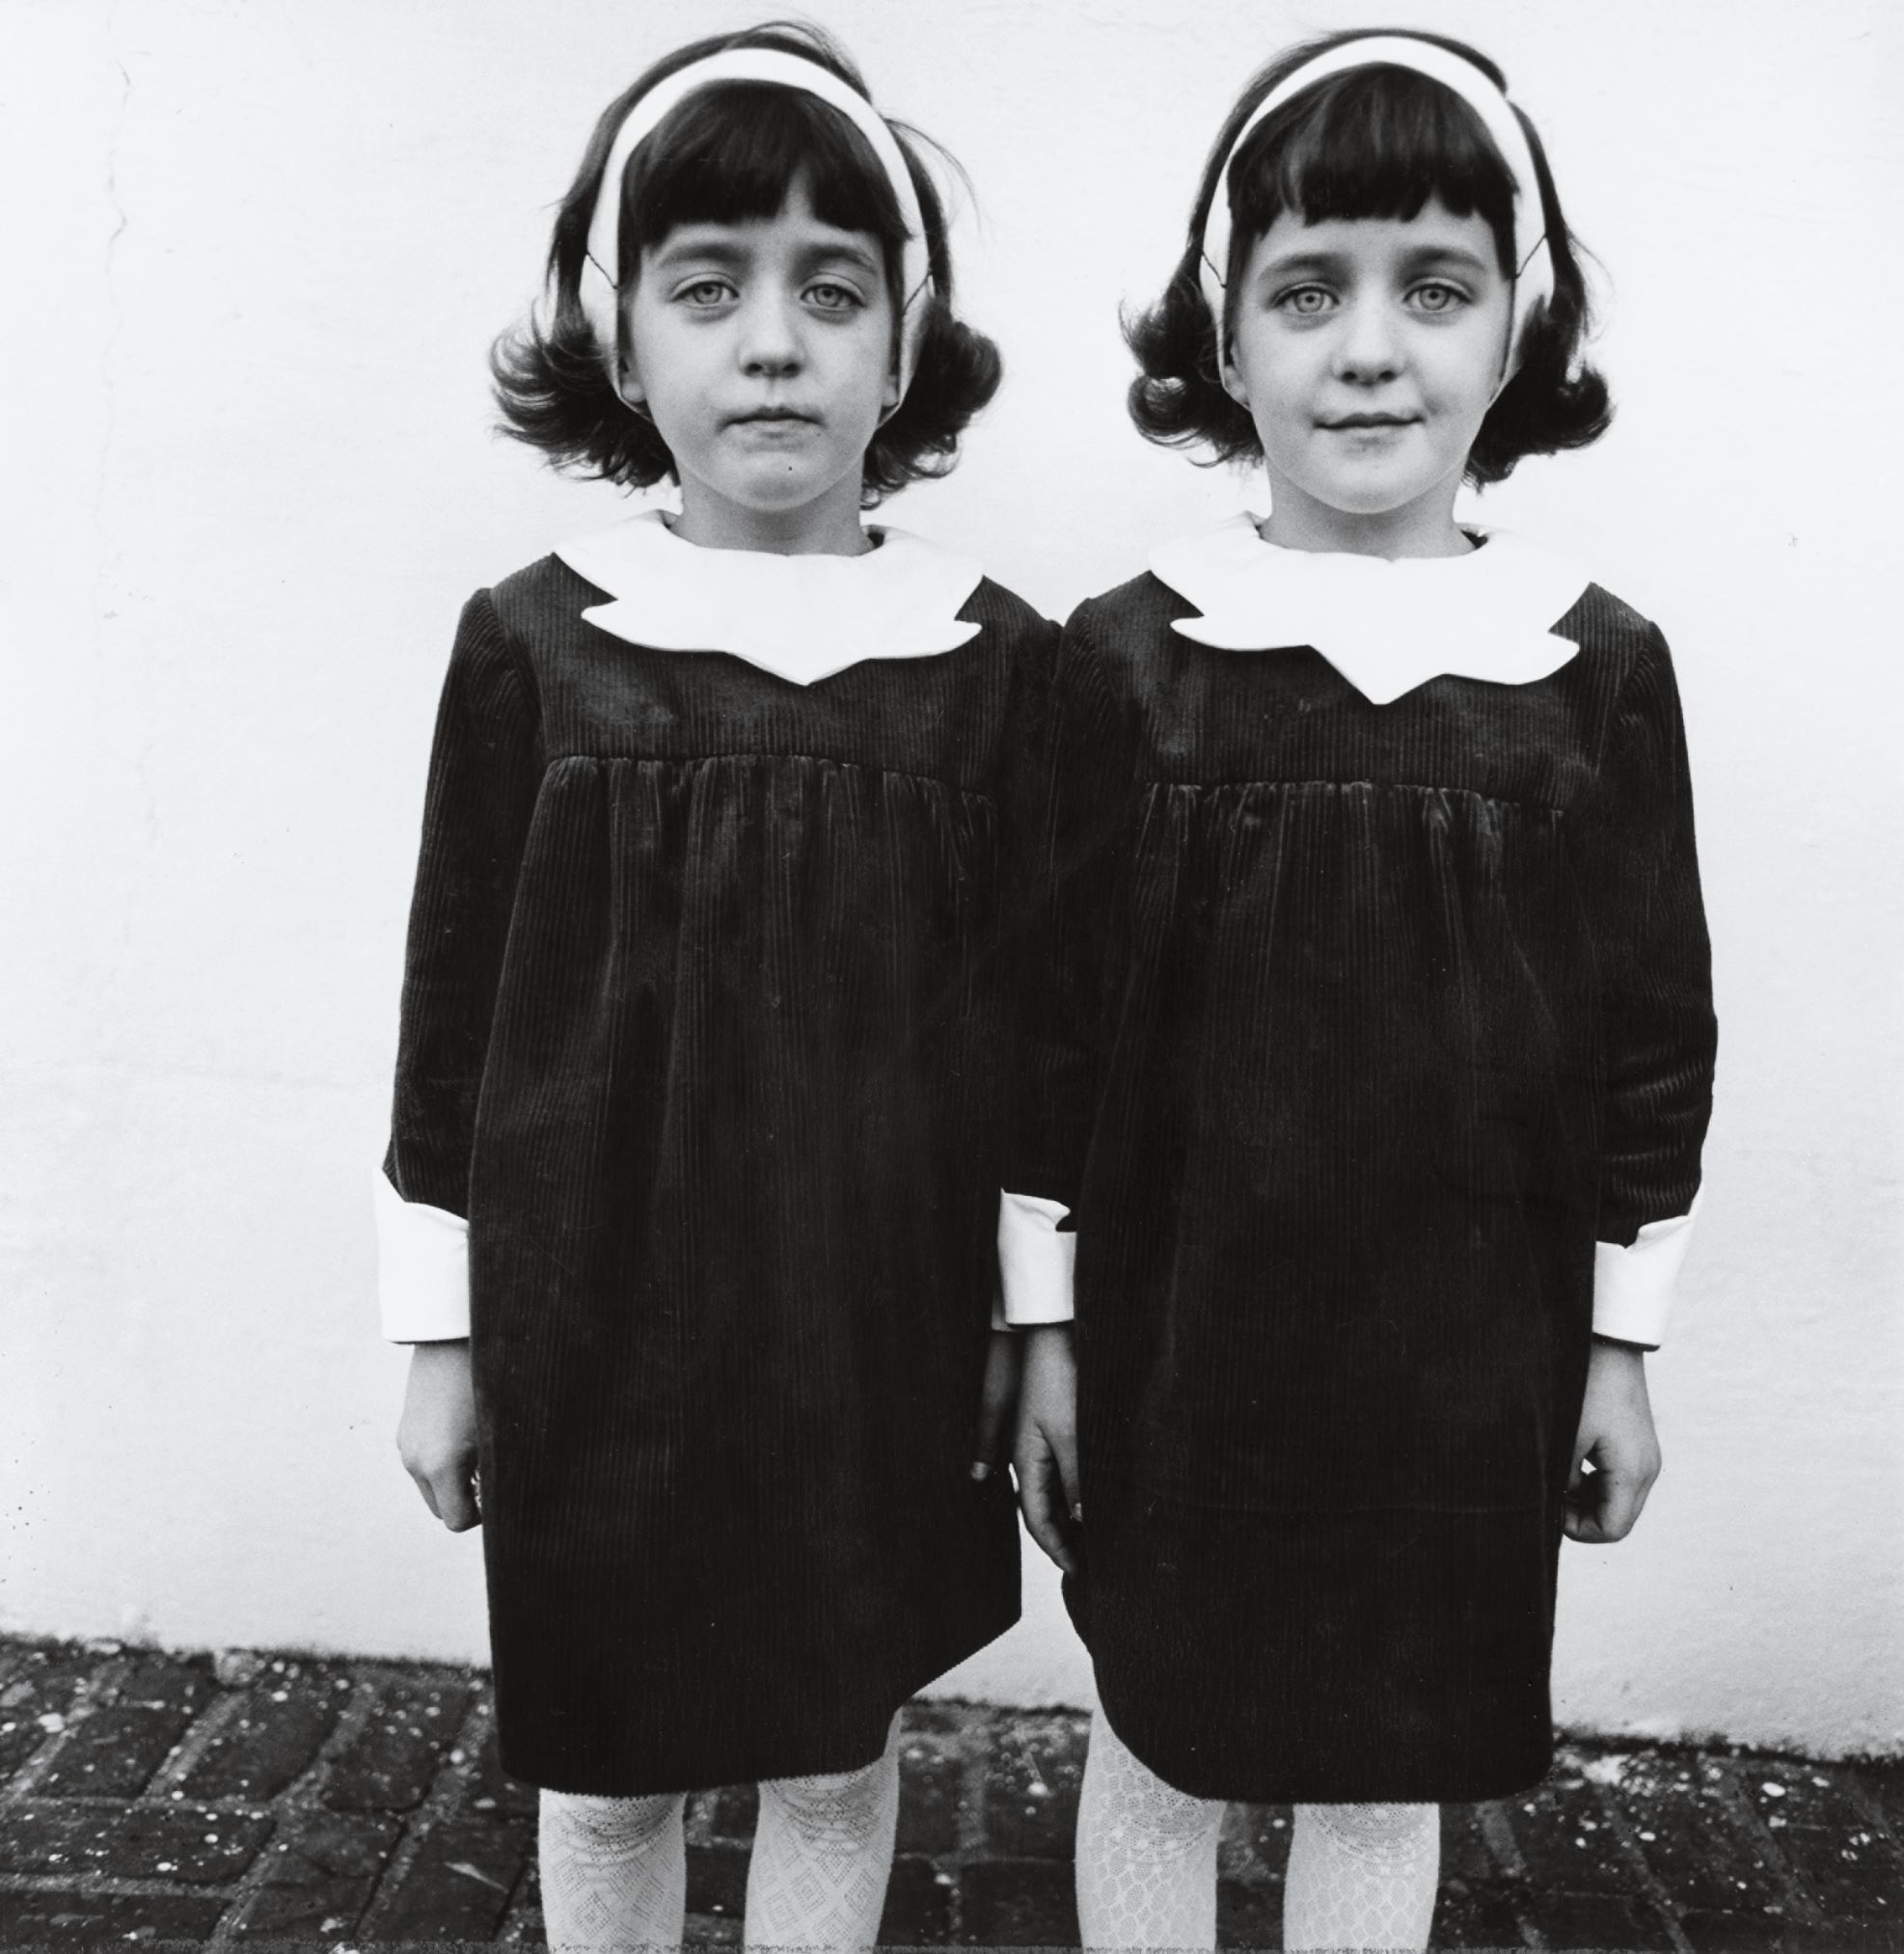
pixel 1362 1876
pixel 822 1856
pixel 614 1870
pixel 1146 1854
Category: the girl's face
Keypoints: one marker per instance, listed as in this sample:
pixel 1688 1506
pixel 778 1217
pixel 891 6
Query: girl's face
pixel 1368 351
pixel 764 351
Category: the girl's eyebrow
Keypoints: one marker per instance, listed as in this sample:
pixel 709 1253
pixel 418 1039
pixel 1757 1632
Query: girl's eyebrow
pixel 713 244
pixel 1416 258
pixel 842 252
pixel 1446 254
pixel 710 244
pixel 1306 261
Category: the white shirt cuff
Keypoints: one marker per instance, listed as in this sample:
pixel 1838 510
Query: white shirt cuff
pixel 1034 1261
pixel 423 1270
pixel 1633 1287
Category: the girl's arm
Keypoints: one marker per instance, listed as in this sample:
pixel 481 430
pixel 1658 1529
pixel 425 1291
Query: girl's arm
pixel 1639 872
pixel 1045 1457
pixel 1069 850
pixel 1640 875
pixel 484 770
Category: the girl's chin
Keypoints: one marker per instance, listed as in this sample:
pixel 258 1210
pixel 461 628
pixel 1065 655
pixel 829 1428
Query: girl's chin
pixel 774 491
pixel 1364 492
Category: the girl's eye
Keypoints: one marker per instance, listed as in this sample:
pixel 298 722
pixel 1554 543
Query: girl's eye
pixel 705 291
pixel 835 298
pixel 1306 301
pixel 1438 298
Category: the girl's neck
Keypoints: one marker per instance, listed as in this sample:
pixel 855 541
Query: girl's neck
pixel 1424 528
pixel 827 528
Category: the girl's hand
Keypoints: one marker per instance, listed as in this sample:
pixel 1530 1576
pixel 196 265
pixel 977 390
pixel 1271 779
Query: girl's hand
pixel 1616 1434
pixel 1046 1456
pixel 436 1437
pixel 997 1399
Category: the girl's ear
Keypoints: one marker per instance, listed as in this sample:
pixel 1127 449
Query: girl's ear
pixel 1232 381
pixel 623 374
pixel 628 384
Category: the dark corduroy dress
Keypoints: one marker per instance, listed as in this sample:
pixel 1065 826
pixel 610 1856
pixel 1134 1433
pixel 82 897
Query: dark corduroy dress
pixel 700 1026
pixel 1352 1028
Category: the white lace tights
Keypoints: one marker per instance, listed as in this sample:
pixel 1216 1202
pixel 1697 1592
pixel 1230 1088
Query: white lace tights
pixel 614 1869
pixel 1360 1875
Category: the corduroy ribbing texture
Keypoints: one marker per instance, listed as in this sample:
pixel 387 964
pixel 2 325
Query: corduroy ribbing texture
pixel 1349 1030
pixel 701 1025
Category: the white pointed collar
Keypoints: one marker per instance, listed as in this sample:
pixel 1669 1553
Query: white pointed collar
pixel 801 617
pixel 1387 627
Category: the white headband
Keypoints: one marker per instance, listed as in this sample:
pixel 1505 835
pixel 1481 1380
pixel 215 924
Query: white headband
pixel 601 274
pixel 1533 275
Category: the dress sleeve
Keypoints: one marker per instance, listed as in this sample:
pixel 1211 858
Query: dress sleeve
pixel 1069 864
pixel 485 767
pixel 1640 874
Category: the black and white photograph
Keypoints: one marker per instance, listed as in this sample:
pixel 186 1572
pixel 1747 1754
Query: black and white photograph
pixel 955 979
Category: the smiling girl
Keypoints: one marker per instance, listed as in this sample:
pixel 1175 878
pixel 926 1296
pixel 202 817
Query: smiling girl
pixel 1371 1049
pixel 691 1192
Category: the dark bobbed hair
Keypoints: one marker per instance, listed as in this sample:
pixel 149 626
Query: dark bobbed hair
pixel 1377 141
pixel 732 151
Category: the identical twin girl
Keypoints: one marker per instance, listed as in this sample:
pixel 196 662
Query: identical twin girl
pixel 1308 944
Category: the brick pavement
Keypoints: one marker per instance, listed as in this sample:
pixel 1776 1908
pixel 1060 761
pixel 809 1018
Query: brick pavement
pixel 245 1800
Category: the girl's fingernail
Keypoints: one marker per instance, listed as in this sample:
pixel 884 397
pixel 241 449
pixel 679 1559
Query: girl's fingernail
pixel 980 1470
pixel 1078 1513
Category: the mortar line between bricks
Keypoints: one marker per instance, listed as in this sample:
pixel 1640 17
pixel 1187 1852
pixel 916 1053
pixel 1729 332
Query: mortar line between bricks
pixel 970 1747
pixel 105 1886
pixel 104 1802
pixel 1806 1912
pixel 366 1693
pixel 1497 1834
pixel 298 1799
pixel 198 1736
pixel 449 1786
pixel 1650 1882
pixel 976 1750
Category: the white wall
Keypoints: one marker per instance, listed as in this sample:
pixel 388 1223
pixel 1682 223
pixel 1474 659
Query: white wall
pixel 255 249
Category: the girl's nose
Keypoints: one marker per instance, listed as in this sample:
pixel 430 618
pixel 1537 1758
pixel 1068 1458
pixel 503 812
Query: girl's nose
pixel 1369 348
pixel 769 335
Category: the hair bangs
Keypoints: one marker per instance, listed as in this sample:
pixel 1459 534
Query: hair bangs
pixel 732 152
pixel 1372 142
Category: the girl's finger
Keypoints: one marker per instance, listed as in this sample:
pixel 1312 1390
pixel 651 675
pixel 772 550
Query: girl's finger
pixel 455 1503
pixel 423 1486
pixel 1038 1495
pixel 1626 1495
pixel 1586 1497
pixel 1067 1463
